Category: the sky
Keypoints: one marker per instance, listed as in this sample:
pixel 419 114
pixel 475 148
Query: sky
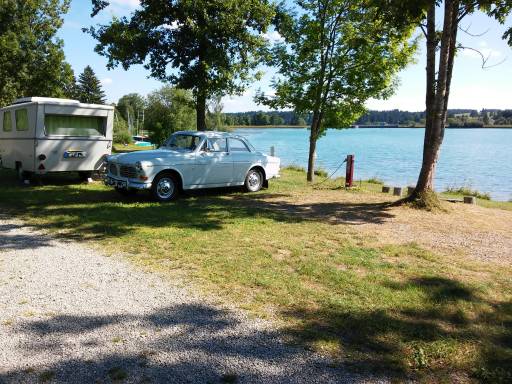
pixel 472 86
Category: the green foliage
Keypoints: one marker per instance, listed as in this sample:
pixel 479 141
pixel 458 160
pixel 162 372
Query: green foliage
pixel 89 87
pixel 321 172
pixel 375 180
pixel 131 107
pixel 209 47
pixel 426 200
pixel 32 61
pixel 270 118
pixel 121 133
pixel 332 61
pixel 296 168
pixel 169 110
pixel 335 56
pixel 214 116
pixel 467 191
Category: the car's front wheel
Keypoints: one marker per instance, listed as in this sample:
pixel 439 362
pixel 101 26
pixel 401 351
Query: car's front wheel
pixel 254 180
pixel 165 187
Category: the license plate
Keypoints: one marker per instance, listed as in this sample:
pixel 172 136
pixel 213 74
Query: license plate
pixel 117 183
pixel 75 155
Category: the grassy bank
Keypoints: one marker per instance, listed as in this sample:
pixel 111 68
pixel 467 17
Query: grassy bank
pixel 309 258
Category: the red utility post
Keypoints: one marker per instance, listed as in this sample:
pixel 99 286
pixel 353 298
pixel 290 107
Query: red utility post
pixel 349 178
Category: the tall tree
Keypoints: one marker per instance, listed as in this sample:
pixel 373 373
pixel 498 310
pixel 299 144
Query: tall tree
pixel 32 61
pixel 72 90
pixel 169 110
pixel 441 48
pixel 214 115
pixel 336 55
pixel 89 87
pixel 208 46
pixel 132 107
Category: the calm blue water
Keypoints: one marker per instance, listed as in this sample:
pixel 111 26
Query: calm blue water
pixel 477 158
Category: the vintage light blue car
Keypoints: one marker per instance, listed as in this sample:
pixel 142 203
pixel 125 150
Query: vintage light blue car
pixel 192 160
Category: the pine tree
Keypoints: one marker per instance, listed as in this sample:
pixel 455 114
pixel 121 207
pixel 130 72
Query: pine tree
pixel 89 88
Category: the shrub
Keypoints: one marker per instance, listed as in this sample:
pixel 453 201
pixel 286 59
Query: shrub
pixel 321 172
pixel 467 191
pixel 294 167
pixel 374 180
pixel 122 137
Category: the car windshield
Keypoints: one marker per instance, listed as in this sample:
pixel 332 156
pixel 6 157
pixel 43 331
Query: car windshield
pixel 183 142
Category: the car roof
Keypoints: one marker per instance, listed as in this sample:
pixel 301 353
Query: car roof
pixel 208 134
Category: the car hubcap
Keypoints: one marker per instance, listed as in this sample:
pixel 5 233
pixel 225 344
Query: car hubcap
pixel 254 180
pixel 165 188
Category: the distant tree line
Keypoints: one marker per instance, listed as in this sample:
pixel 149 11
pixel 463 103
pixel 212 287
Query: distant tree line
pixel 257 118
pixel 463 118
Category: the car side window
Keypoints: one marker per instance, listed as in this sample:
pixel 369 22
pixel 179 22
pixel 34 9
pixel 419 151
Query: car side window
pixel 217 145
pixel 237 145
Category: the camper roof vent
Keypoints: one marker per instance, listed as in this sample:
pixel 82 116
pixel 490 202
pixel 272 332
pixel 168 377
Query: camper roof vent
pixel 45 100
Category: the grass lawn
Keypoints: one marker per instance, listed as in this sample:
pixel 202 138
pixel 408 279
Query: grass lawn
pixel 313 261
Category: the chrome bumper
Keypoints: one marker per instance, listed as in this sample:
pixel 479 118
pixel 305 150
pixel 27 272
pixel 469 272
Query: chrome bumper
pixel 125 183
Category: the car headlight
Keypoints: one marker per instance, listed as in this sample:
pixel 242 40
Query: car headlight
pixel 138 166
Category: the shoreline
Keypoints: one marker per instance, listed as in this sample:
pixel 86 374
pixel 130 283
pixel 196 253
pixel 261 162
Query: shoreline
pixel 358 127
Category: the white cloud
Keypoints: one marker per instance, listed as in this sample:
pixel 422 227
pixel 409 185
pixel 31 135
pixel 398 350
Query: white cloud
pixel 482 49
pixel 106 81
pixel 485 52
pixel 480 96
pixel 121 7
pixel 126 3
pixel 273 37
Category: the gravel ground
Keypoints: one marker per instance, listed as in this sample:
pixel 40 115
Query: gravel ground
pixel 72 315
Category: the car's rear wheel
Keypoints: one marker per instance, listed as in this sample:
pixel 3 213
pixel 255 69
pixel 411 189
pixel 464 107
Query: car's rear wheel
pixel 165 187
pixel 254 180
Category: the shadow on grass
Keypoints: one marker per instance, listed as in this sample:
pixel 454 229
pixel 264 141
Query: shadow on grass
pixel 94 212
pixel 183 343
pixel 422 339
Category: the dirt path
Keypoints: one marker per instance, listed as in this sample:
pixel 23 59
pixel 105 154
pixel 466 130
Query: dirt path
pixel 72 315
pixel 483 234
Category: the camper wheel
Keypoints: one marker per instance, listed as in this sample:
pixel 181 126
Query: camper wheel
pixel 85 175
pixel 23 176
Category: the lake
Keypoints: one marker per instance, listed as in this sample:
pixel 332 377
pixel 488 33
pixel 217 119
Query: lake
pixel 476 158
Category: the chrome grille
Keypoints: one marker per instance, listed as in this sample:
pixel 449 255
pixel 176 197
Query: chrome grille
pixel 112 169
pixel 128 171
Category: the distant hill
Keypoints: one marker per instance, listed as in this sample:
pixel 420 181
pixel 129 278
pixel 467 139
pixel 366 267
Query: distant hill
pixel 466 118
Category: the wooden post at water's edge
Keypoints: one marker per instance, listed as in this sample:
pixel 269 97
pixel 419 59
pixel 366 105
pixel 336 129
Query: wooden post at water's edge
pixel 469 199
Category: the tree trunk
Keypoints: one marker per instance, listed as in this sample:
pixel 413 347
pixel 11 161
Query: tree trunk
pixel 313 136
pixel 201 110
pixel 437 92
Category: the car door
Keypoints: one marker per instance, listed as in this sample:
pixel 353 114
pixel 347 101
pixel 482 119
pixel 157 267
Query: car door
pixel 214 164
pixel 242 158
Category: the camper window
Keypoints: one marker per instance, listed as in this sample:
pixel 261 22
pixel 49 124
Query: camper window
pixel 7 121
pixel 63 125
pixel 21 120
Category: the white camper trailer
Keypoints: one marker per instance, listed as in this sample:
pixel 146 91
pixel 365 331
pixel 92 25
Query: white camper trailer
pixel 40 135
